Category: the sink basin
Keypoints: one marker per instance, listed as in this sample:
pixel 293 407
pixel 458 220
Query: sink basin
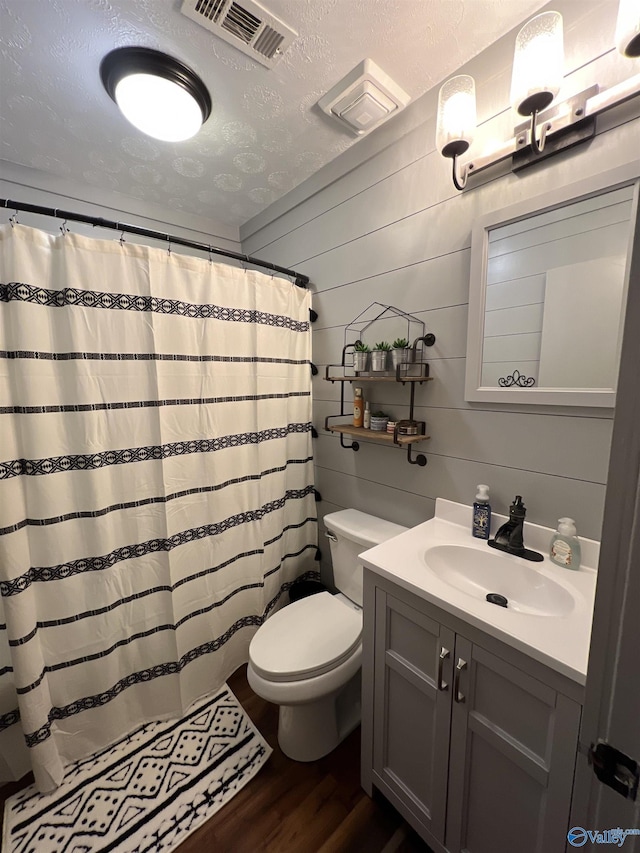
pixel 476 573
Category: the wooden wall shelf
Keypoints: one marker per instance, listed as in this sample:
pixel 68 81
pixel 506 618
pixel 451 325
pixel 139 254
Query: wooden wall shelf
pixel 420 374
pixel 410 373
pixel 376 435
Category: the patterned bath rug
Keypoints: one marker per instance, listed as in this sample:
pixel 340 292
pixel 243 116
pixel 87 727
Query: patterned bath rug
pixel 148 792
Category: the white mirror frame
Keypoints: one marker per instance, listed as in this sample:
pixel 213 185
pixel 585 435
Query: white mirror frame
pixel 474 390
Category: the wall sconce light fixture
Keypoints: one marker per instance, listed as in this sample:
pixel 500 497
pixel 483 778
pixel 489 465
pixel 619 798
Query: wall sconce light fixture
pixel 537 76
pixel 538 70
pixel 156 93
pixel 456 121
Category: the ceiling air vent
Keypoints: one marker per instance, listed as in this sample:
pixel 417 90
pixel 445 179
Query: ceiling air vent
pixel 247 26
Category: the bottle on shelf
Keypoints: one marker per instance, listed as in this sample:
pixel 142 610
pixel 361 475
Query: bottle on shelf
pixel 366 418
pixel 358 414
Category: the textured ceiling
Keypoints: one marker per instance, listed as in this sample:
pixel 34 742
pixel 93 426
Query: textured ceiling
pixel 265 135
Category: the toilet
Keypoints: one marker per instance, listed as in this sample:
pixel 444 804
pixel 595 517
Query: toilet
pixel 306 657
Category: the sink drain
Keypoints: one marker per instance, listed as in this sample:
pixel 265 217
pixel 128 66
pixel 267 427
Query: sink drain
pixel 496 598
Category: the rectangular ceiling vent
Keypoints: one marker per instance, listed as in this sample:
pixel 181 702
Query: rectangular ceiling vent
pixel 247 26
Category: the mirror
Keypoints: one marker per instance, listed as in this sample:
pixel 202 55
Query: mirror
pixel 547 295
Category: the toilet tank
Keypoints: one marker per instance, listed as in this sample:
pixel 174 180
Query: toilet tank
pixel 354 532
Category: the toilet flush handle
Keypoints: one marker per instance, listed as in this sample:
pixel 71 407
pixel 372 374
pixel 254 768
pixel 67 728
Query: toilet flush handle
pixel 331 536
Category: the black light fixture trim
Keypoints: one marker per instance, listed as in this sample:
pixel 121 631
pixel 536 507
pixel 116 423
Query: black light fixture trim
pixel 144 60
pixel 456 149
pixel 531 106
pixel 632 49
pixel 562 140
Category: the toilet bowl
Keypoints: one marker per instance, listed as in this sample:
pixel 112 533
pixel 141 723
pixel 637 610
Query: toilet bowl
pixel 305 676
pixel 306 657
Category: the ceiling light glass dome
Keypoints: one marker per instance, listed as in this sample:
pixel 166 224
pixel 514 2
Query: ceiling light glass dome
pixel 159 95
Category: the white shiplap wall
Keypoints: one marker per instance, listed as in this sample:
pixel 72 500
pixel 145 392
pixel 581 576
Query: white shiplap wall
pixel 391 228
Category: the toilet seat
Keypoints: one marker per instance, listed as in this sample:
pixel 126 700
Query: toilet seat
pixel 307 638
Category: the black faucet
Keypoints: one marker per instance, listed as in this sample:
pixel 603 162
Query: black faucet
pixel 509 537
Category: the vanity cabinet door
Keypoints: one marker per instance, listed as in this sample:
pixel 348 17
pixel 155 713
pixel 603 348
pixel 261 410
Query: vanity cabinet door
pixel 412 710
pixel 513 750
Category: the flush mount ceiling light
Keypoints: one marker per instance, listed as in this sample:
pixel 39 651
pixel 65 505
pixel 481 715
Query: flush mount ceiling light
pixel 536 81
pixel 159 95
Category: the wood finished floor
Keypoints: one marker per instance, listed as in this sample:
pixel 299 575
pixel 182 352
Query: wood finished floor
pixel 291 807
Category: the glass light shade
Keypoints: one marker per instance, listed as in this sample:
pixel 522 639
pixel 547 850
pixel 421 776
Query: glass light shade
pixel 538 64
pixel 158 107
pixel 628 28
pixel 456 116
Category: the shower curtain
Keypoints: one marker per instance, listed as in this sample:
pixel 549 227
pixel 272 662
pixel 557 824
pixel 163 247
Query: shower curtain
pixel 156 484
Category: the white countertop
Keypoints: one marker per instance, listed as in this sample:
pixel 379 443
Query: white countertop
pixel 558 641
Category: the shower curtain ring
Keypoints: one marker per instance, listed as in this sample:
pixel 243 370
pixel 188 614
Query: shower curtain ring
pixel 63 228
pixel 13 219
pixel 122 240
pixel 169 249
pixel 210 257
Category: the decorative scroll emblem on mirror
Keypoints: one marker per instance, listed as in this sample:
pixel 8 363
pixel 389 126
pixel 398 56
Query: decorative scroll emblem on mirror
pixel 516 379
pixel 547 296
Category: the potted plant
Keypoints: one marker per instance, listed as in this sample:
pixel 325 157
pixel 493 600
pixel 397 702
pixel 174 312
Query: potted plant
pixel 400 354
pixel 379 355
pixel 379 421
pixel 360 356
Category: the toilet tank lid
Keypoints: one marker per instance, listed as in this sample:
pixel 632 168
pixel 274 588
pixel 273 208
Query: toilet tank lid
pixel 361 527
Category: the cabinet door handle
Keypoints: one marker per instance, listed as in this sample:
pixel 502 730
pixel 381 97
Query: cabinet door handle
pixel 459 696
pixel 444 654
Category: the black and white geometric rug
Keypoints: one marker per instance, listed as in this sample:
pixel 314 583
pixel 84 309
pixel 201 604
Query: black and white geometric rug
pixel 148 792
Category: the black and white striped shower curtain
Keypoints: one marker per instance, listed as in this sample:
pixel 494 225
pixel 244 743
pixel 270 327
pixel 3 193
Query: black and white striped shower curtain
pixel 156 483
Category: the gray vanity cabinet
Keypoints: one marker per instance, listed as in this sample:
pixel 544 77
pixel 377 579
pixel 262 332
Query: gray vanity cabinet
pixel 413 655
pixel 512 758
pixel 476 753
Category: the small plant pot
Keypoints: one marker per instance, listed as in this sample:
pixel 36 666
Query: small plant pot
pixel 379 424
pixel 400 356
pixel 360 360
pixel 378 360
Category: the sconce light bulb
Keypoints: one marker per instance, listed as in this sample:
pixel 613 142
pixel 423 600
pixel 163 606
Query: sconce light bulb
pixel 456 116
pixel 538 64
pixel 628 28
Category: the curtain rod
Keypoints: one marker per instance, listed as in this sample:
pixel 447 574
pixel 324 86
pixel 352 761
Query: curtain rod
pixel 97 221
